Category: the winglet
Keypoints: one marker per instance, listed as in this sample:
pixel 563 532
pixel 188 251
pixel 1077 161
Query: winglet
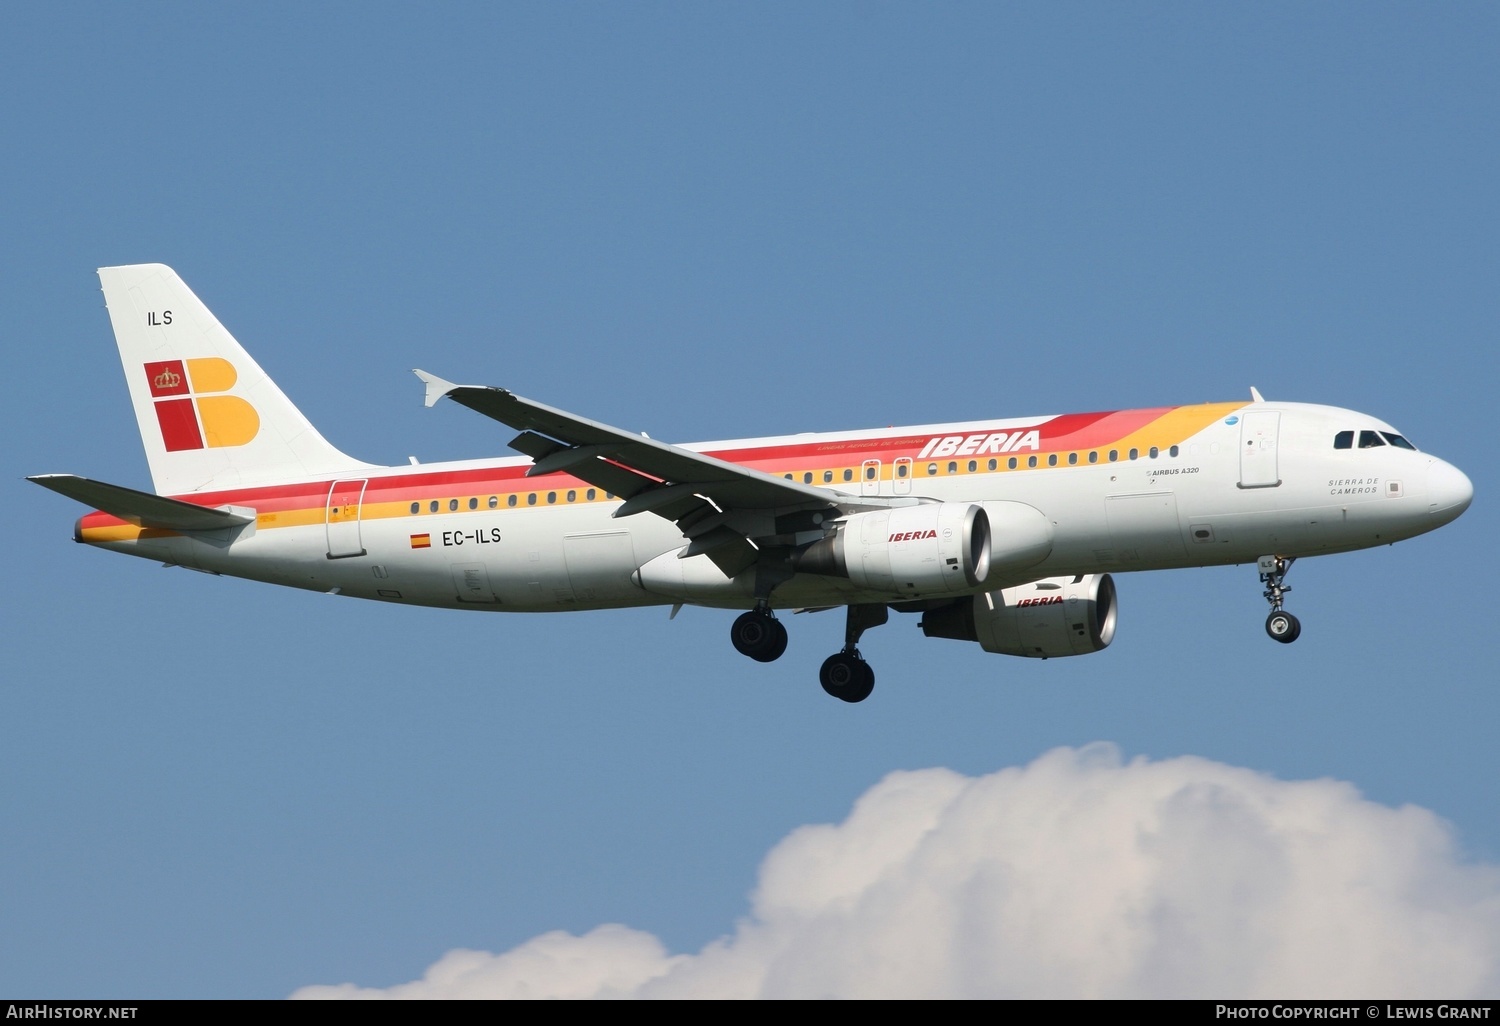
pixel 1254 394
pixel 436 386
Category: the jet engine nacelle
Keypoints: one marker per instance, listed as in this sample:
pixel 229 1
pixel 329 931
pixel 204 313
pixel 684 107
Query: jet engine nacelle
pixel 936 548
pixel 1058 616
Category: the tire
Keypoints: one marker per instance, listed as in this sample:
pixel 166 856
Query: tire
pixel 758 635
pixel 847 677
pixel 1283 627
pixel 866 683
pixel 777 645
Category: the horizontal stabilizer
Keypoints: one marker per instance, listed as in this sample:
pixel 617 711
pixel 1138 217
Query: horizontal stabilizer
pixel 141 508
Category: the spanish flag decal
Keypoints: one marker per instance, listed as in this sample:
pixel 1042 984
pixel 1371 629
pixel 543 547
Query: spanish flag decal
pixel 421 541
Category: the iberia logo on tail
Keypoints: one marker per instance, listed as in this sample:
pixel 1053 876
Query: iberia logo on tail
pixel 191 409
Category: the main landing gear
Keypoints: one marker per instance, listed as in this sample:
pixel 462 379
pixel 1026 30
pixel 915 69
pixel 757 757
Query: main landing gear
pixel 845 675
pixel 759 635
pixel 1280 625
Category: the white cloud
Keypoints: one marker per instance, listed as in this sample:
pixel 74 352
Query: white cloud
pixel 1075 876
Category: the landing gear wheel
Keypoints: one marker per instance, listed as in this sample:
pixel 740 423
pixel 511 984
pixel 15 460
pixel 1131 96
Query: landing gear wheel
pixel 847 677
pixel 778 643
pixel 1280 625
pixel 759 635
pixel 1283 627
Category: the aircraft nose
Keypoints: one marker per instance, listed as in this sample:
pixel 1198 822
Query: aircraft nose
pixel 1449 491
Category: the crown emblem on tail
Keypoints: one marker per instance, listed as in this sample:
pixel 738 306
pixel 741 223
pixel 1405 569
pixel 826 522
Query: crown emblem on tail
pixel 167 379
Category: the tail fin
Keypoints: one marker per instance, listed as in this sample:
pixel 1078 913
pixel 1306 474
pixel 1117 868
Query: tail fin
pixel 210 418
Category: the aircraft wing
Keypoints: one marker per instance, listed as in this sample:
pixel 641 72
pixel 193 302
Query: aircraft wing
pixel 706 497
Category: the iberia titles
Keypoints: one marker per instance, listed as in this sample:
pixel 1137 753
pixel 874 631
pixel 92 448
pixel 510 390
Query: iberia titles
pixel 975 445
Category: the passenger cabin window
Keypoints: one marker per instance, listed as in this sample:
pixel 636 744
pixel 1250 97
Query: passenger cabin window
pixel 1370 440
pixel 1343 440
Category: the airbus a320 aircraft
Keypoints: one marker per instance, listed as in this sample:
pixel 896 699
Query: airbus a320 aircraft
pixel 1001 532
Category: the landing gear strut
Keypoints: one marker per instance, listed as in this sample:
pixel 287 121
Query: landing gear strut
pixel 759 635
pixel 845 675
pixel 1280 625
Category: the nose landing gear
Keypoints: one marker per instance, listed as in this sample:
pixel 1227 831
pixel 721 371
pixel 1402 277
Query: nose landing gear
pixel 1280 625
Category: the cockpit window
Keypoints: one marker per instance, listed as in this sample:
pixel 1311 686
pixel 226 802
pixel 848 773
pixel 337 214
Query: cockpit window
pixel 1370 440
pixel 1343 440
pixel 1398 441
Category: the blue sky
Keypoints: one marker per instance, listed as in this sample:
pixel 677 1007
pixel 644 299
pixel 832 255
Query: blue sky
pixel 713 221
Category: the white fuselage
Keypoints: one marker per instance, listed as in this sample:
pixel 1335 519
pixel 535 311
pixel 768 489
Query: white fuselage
pixel 1256 479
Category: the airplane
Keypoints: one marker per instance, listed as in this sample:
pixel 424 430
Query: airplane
pixel 1001 532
